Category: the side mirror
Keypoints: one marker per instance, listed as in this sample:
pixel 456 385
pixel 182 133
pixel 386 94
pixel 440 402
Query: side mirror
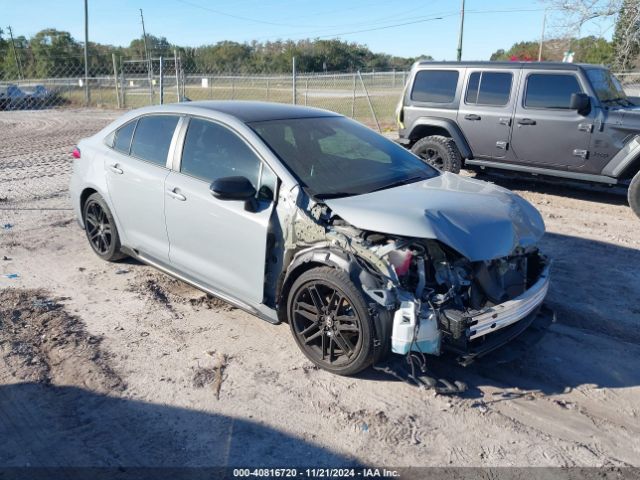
pixel 580 102
pixel 235 188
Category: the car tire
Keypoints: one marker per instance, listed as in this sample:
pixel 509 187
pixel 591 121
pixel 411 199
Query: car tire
pixel 633 195
pixel 330 321
pixel 439 152
pixel 100 228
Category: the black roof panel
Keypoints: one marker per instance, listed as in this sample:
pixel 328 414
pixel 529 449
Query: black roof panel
pixel 249 111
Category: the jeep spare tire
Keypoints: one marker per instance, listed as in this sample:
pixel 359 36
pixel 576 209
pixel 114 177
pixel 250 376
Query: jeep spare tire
pixel 439 152
pixel 634 195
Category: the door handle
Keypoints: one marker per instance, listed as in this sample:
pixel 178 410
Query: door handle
pixel 115 169
pixel 176 195
pixel 472 116
pixel 526 121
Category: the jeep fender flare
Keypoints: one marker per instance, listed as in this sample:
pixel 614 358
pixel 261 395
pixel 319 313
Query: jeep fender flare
pixel 446 124
pixel 628 157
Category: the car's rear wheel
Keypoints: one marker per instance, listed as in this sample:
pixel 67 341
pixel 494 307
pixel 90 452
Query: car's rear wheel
pixel 634 194
pixel 101 230
pixel 439 152
pixel 330 321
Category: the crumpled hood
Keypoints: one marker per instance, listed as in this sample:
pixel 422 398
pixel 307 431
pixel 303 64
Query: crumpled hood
pixel 477 219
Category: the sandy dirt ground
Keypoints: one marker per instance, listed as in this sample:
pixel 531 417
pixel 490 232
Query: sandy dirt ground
pixel 117 364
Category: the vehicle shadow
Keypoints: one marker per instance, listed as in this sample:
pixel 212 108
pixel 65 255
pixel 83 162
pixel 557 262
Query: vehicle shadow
pixel 596 337
pixel 61 427
pixel 559 187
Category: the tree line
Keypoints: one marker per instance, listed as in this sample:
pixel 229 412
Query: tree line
pixel 52 53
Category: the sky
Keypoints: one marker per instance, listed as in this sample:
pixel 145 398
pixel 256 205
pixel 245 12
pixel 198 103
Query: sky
pixel 405 28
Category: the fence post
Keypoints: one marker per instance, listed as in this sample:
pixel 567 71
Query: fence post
pixel 122 85
pixel 161 81
pixel 115 78
pixel 175 63
pixel 293 79
pixel 268 89
pixel 306 90
pixel 373 112
pixel 353 98
pixel 393 82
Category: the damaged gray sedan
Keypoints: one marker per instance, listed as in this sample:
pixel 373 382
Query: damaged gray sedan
pixel 304 216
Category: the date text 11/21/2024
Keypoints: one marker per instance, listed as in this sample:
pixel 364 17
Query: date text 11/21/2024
pixel 316 472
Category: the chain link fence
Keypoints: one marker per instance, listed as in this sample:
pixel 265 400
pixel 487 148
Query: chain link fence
pixel 369 97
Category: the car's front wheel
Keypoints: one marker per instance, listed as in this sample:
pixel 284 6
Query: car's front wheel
pixel 330 321
pixel 101 230
pixel 439 152
pixel 634 194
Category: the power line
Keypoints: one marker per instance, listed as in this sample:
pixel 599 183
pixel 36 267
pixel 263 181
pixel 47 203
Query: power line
pixel 383 28
pixel 416 21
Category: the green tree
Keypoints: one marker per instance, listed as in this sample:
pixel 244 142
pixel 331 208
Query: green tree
pixel 55 53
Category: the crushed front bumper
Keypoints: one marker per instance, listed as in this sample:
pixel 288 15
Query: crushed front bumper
pixel 495 326
pixel 500 316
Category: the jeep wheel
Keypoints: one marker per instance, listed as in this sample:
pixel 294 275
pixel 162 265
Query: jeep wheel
pixel 330 321
pixel 439 152
pixel 634 194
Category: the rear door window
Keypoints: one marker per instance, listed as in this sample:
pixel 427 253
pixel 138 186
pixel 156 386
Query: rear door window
pixel 489 88
pixel 122 140
pixel 152 138
pixel 435 86
pixel 550 90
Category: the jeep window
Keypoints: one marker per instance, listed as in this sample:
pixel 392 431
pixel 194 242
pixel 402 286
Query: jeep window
pixel 152 138
pixel 606 86
pixel 337 157
pixel 489 88
pixel 435 86
pixel 547 90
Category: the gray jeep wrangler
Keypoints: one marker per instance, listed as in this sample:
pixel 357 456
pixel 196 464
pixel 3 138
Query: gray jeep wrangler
pixel 556 119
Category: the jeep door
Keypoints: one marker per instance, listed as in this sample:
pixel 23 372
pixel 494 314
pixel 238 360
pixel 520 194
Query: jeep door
pixel 486 111
pixel 136 169
pixel 546 132
pixel 218 243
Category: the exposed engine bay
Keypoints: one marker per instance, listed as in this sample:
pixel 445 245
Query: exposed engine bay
pixel 438 298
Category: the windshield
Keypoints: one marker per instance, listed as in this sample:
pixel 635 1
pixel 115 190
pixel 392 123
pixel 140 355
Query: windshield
pixel 606 86
pixel 337 157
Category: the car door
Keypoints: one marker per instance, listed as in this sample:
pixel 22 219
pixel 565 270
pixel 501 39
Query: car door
pixel 219 243
pixel 136 169
pixel 546 132
pixel 486 111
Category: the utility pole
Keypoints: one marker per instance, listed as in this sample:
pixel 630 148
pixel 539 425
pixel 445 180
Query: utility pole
pixel 15 53
pixel 87 92
pixel 544 21
pixel 146 55
pixel 461 31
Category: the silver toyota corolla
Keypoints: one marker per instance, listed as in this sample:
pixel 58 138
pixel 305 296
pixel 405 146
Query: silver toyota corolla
pixel 302 215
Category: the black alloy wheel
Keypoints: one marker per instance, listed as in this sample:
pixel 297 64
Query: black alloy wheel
pixel 101 229
pixel 330 321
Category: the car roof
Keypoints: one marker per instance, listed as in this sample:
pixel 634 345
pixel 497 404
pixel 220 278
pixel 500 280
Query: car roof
pixel 523 65
pixel 247 111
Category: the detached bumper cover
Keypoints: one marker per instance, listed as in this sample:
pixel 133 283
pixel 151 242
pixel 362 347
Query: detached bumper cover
pixel 512 311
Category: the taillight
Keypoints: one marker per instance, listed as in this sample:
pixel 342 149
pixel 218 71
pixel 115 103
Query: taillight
pixel 76 153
